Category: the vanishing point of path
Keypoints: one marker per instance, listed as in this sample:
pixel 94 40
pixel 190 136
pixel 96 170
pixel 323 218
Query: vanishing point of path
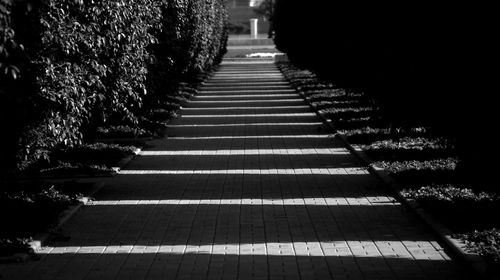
pixel 247 185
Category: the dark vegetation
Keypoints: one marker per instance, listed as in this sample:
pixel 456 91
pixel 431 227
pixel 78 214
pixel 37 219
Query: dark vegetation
pixel 424 160
pixel 28 208
pixel 426 64
pixel 83 83
pixel 75 71
pixel 239 27
pixel 413 84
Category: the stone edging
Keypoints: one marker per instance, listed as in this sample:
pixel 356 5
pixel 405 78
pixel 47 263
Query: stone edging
pixel 123 162
pixel 456 246
pixel 42 238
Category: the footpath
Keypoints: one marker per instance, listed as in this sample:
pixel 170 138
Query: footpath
pixel 247 184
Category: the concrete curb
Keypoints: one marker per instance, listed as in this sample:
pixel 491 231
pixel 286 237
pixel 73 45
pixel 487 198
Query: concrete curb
pixel 455 246
pixel 125 161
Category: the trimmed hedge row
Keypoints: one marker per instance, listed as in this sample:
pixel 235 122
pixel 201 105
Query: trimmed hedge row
pixel 69 67
pixel 426 64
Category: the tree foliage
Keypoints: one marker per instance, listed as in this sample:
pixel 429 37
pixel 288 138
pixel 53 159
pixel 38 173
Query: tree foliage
pixel 70 66
pixel 426 63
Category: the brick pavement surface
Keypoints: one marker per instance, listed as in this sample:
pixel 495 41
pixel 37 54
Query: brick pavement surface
pixel 248 184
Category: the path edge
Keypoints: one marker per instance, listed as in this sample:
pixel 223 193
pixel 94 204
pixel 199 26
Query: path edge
pixel 41 239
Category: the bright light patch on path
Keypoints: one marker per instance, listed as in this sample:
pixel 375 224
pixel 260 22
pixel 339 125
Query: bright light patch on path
pixel 332 151
pixel 247 91
pixel 282 249
pixel 243 84
pixel 318 201
pixel 278 171
pixel 252 115
pixel 245 124
pixel 247 108
pixel 250 88
pixel 252 137
pixel 247 95
pixel 248 101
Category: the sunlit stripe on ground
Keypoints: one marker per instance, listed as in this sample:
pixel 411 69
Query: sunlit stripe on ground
pixel 249 78
pixel 244 84
pixel 250 62
pixel 293 249
pixel 269 71
pixel 252 115
pixel 246 124
pixel 208 96
pixel 330 151
pixel 241 72
pixel 205 92
pixel 320 201
pixel 305 136
pixel 250 88
pixel 277 171
pixel 247 101
pixel 249 108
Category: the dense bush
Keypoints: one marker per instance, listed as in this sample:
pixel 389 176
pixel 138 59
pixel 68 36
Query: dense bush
pixel 451 194
pixel 192 39
pixel 73 66
pixel 461 208
pixel 426 63
pixel 33 209
pixel 120 131
pixel 87 63
pixel 12 109
pixel 487 244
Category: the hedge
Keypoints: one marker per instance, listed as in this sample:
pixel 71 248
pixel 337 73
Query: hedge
pixel 69 67
pixel 427 63
pixel 190 42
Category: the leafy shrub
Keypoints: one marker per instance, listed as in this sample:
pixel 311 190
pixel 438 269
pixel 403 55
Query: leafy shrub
pixel 407 64
pixel 160 115
pixel 120 131
pixel 461 208
pixel 408 143
pixel 73 66
pixel 93 154
pixel 414 165
pixel 349 112
pixel 409 148
pixel 192 40
pixel 169 106
pixel 10 246
pixel 486 243
pixel 451 194
pixel 422 171
pixel 88 65
pixel 71 169
pixel 13 108
pixel 24 211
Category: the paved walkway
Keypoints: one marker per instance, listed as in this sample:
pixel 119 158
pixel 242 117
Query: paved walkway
pixel 247 185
